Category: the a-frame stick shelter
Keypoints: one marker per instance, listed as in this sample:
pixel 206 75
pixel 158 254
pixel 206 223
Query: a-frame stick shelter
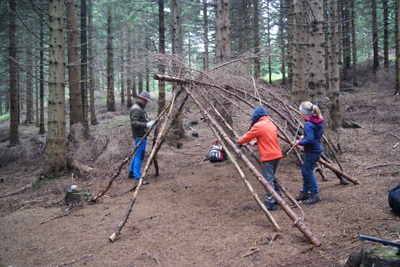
pixel 290 119
pixel 297 221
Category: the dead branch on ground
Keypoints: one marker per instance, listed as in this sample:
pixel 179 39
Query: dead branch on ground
pixel 382 165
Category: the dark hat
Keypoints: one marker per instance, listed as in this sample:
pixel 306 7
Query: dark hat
pixel 145 95
pixel 258 113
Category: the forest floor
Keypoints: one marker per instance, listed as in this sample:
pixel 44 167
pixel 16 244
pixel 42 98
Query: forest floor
pixel 197 213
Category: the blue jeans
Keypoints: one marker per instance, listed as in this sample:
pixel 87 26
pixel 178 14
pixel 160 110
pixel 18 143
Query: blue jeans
pixel 307 171
pixel 137 158
pixel 268 172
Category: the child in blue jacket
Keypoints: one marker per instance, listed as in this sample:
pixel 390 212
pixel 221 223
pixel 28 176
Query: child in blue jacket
pixel 311 141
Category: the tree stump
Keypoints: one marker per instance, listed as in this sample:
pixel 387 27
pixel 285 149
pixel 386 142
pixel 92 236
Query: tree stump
pixel 385 256
pixel 75 196
pixel 377 255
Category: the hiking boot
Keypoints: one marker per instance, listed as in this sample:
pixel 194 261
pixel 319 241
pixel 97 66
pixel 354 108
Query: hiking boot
pixel 314 198
pixel 144 182
pixel 302 196
pixel 130 175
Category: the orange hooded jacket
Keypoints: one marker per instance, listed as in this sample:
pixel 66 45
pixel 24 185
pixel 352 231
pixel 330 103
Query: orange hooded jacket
pixel 266 134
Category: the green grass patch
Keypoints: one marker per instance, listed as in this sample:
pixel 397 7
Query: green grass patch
pixel 5 117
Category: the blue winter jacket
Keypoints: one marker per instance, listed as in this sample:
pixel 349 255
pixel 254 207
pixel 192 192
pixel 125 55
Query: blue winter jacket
pixel 313 131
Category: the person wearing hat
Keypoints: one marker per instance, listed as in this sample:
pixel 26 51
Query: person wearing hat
pixel 311 141
pixel 266 135
pixel 139 125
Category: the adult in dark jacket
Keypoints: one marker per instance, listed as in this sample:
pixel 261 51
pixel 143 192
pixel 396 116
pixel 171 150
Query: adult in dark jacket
pixel 139 125
pixel 311 141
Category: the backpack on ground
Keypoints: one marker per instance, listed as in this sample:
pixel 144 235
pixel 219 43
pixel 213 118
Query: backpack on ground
pixel 217 154
pixel 394 198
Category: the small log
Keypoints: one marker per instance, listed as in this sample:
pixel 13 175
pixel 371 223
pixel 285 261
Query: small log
pixel 338 172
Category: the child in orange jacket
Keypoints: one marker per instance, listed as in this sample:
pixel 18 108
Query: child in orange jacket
pixel 266 135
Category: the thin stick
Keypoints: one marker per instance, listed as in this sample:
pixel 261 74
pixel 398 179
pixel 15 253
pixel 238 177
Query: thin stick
pixel 382 165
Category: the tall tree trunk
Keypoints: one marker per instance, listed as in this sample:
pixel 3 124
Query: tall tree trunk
pixel 300 43
pixel 36 94
pixel 375 38
pixel 385 35
pixel 176 130
pixel 222 32
pixel 161 50
pixel 55 153
pixel 316 90
pixel 110 63
pixel 41 74
pixel 256 30
pixel 29 85
pixel 176 27
pixel 397 45
pixel 93 118
pixel 122 71
pixel 269 43
pixel 128 68
pixel 147 63
pixel 353 43
pixel 206 59
pixel 290 41
pixel 84 67
pixel 243 26
pixel 345 37
pixel 282 12
pixel 333 66
pixel 223 51
pixel 14 116
pixel 74 77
